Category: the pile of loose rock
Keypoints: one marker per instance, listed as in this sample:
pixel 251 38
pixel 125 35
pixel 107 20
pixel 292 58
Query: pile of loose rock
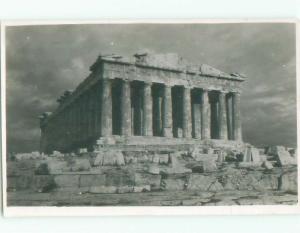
pixel 116 171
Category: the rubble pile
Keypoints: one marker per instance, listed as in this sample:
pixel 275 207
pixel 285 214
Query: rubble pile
pixel 117 171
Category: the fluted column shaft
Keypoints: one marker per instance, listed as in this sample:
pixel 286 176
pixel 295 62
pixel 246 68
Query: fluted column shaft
pixel 126 109
pixel 147 110
pixel 186 105
pixel 236 101
pixel 222 116
pixel 106 111
pixel 167 112
pixel 205 115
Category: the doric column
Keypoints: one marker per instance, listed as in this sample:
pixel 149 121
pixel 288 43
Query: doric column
pixel 167 112
pixel 186 117
pixel 147 110
pixel 106 110
pixel 222 116
pixel 126 109
pixel 205 115
pixel 237 126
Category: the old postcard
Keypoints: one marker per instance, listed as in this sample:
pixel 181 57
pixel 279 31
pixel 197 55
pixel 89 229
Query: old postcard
pixel 110 118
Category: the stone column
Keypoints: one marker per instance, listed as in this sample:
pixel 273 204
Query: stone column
pixel 106 110
pixel 205 115
pixel 126 109
pixel 167 112
pixel 237 126
pixel 222 116
pixel 147 110
pixel 186 117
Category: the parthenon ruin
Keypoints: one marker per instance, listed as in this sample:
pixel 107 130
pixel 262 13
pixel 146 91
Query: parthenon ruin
pixel 148 97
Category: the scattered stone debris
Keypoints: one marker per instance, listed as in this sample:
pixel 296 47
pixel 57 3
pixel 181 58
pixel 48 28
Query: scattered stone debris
pixel 115 171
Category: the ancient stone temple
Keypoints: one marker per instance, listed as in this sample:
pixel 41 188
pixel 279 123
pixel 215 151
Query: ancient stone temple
pixel 148 99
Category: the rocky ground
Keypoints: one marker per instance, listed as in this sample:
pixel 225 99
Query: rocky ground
pixel 159 198
pixel 187 178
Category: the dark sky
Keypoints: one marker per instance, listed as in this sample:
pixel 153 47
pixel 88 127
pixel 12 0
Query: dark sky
pixel 43 61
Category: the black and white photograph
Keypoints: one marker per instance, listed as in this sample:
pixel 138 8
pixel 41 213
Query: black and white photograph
pixel 150 114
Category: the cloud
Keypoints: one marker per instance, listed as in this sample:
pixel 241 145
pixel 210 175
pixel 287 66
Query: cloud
pixel 43 61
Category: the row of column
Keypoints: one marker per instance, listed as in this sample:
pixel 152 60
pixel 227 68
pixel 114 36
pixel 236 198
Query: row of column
pixel 147 127
pixel 90 116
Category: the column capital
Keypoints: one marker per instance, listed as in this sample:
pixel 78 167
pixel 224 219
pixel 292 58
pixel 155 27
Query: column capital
pixel 236 92
pixel 223 91
pixel 148 84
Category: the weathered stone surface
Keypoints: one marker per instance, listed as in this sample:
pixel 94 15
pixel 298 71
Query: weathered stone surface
pixel 109 159
pixel 42 169
pixel 143 188
pixel 92 180
pixel 99 159
pixel 43 183
pixel 284 158
pixel 125 189
pixel 251 154
pixel 175 170
pixel 268 165
pixel 205 166
pixel 267 182
pixel 142 179
pixel 200 182
pixel 173 184
pixel 81 165
pixel 56 166
pixel 155 158
pixel 66 180
pixel 119 178
pixel 288 181
pixel 163 158
pixel 103 189
pixel 120 159
pixel 153 169
pixel 215 186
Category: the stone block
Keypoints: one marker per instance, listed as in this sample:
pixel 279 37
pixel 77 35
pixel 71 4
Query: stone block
pixel 56 166
pixel 155 158
pixel 248 164
pixel 173 159
pixel 24 182
pixel 109 159
pixel 142 179
pixel 251 154
pixel 43 183
pixel 143 188
pixel 284 158
pixel 119 159
pixel 267 164
pixel 103 189
pixel 173 184
pixel 42 169
pixel 88 180
pixel 288 182
pixel 125 189
pixel 163 158
pixel 142 158
pixel 200 182
pixel 66 180
pixel 175 170
pixel 119 178
pixel 267 182
pixel 153 169
pixel 128 159
pixel 215 187
pixel 81 165
pixel 99 159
